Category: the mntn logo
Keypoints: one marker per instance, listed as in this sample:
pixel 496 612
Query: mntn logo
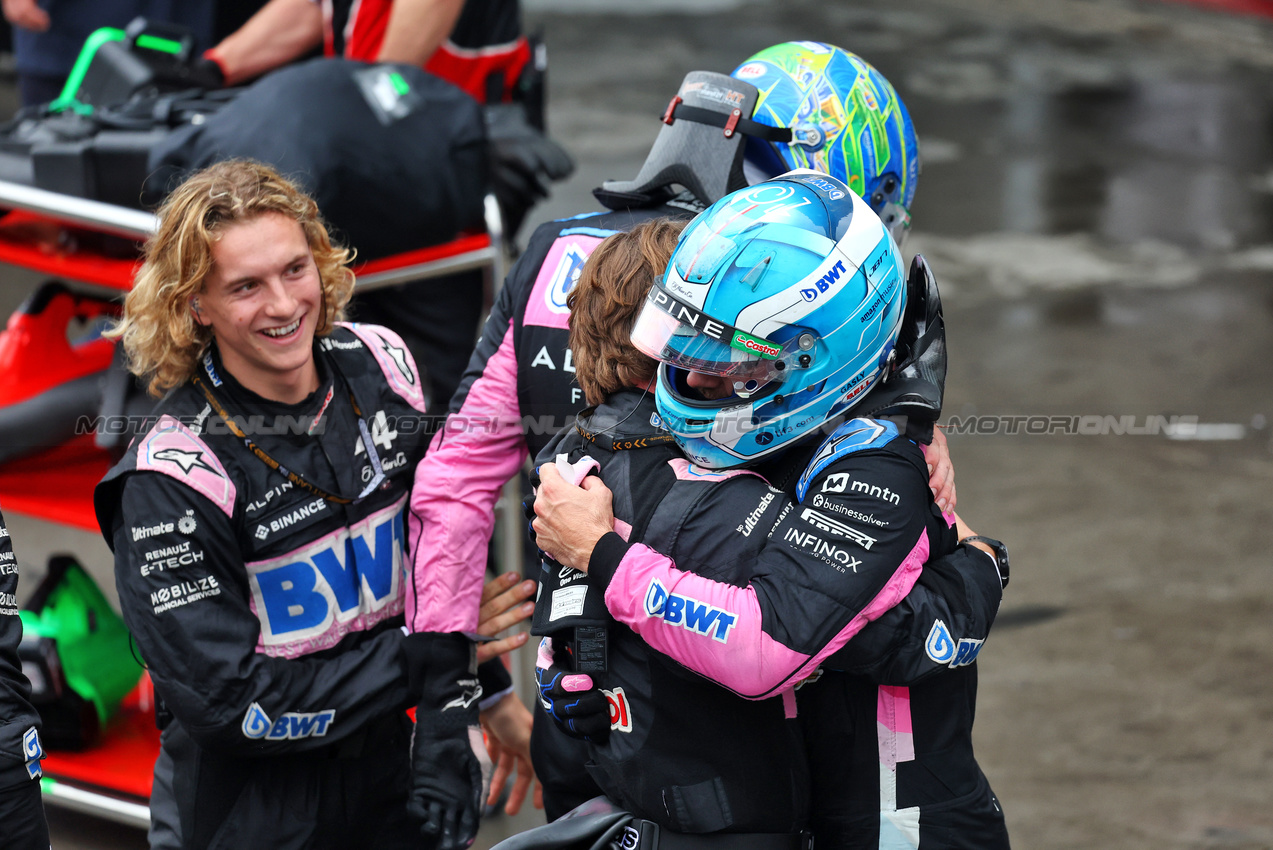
pixel 942 647
pixel 690 614
pixel 355 570
pixel 289 727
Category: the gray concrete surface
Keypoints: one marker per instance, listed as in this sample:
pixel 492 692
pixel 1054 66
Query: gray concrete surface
pixel 1097 202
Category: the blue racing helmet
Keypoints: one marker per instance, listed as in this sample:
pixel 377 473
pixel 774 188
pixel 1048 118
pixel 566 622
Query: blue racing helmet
pixel 846 121
pixel 790 293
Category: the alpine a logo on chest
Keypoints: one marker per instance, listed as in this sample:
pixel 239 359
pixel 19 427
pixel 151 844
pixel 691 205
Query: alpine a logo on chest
pixel 687 613
pixel 348 581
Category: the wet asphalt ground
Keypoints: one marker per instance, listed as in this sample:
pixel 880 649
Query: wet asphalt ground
pixel 1097 203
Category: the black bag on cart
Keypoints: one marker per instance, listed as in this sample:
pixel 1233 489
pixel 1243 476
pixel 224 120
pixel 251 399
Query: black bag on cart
pixel 395 157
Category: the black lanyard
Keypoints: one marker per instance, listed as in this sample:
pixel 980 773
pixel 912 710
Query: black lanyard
pixel 273 464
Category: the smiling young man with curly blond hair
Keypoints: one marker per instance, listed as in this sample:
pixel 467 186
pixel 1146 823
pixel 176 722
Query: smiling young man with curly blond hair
pixel 258 536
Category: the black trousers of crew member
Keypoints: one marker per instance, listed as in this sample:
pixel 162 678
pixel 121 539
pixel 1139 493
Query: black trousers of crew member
pixel 352 793
pixel 22 815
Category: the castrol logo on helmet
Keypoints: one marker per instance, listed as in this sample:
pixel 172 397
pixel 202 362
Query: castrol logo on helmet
pixel 750 343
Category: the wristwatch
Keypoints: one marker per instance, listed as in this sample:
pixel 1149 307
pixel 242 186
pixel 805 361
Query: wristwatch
pixel 1001 554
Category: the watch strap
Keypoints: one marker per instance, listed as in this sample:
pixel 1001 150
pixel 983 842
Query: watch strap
pixel 1000 556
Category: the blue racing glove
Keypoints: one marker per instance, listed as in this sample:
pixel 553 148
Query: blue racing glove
pixel 579 708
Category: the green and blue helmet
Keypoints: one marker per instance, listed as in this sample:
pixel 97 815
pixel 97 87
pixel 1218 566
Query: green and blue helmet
pixel 846 120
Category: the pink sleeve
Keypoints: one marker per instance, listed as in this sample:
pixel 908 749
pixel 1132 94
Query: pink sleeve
pixel 715 629
pixel 453 499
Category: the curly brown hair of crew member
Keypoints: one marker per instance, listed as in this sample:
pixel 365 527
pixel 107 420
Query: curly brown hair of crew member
pixel 604 305
pixel 160 336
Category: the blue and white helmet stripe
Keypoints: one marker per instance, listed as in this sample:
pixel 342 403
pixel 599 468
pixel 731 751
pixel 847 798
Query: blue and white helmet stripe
pixel 804 264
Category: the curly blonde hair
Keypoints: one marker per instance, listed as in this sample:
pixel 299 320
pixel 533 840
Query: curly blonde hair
pixel 158 331
pixel 605 302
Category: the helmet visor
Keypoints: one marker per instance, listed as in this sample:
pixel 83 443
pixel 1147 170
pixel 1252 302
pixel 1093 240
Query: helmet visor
pixel 683 336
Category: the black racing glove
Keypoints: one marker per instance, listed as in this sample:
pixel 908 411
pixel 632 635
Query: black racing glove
pixel 450 769
pixel 523 161
pixel 578 707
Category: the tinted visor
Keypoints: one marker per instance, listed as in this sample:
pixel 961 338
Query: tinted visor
pixel 684 337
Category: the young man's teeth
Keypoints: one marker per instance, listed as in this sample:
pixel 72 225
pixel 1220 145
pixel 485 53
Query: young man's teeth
pixel 283 331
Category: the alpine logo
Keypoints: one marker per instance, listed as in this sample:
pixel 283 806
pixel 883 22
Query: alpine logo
pixel 695 318
pixel 688 315
pixel 942 647
pixel 291 726
pixel 689 614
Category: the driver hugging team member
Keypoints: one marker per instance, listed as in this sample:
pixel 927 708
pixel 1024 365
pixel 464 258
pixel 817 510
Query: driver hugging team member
pixel 784 309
